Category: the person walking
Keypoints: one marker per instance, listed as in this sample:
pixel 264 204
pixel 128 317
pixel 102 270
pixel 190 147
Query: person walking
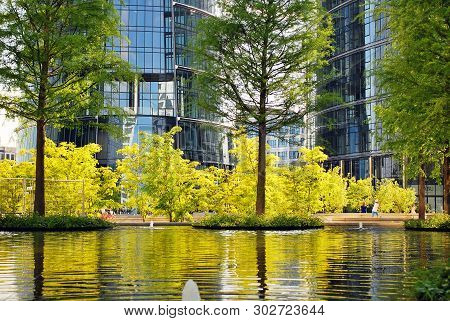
pixel 375 208
pixel 364 207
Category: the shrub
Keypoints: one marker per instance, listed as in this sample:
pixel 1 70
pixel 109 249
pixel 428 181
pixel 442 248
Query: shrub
pixel 332 190
pixel 281 221
pixel 393 198
pixel 436 222
pixel 433 284
pixel 358 193
pixel 52 223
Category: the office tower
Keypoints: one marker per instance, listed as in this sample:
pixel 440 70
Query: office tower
pixel 156 37
pixel 347 128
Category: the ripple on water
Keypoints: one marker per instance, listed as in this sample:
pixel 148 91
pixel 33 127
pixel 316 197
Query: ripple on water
pixel 154 264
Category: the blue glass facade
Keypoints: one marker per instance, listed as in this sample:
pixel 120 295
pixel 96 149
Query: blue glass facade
pixel 155 36
pixel 347 127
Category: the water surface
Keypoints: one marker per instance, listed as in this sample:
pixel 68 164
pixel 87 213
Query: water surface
pixel 153 264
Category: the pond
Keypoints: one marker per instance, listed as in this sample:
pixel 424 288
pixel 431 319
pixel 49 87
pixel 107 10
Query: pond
pixel 153 264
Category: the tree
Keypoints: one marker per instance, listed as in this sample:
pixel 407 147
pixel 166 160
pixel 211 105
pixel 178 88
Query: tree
pixel 359 192
pixel 85 188
pixel 305 182
pixel 11 185
pixel 393 198
pixel 157 179
pixel 53 55
pixel 258 62
pixel 88 187
pixel 333 192
pixel 414 78
pixel 240 185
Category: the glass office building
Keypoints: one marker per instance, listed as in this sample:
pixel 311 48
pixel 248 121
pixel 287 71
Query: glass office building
pixel 285 144
pixel 155 38
pixel 347 128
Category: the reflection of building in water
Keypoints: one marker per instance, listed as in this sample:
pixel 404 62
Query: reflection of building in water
pixel 162 97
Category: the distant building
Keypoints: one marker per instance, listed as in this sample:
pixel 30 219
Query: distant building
pixel 286 143
pixel 347 128
pixel 158 33
pixel 8 153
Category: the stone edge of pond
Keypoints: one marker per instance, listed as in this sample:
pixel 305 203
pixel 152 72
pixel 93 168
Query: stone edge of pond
pixel 71 229
pixel 427 229
pixel 258 228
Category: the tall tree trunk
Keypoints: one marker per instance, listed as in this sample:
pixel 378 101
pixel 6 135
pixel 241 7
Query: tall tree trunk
pixel 261 184
pixel 422 193
pixel 39 196
pixel 446 174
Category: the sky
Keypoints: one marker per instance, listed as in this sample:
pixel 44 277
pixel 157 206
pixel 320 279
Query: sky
pixel 7 126
pixel 7 135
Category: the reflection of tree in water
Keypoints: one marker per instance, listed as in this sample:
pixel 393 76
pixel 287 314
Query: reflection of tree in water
pixel 349 268
pixel 38 252
pixel 423 250
pixel 261 264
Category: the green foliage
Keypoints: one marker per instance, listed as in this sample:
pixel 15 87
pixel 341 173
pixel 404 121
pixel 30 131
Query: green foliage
pixel 333 191
pixel 240 184
pixel 54 66
pixel 52 223
pixel 415 75
pixel 359 192
pixel 311 189
pixel 99 185
pixel 54 57
pixel 71 172
pixel 280 221
pixel 393 198
pixel 11 185
pixel 259 61
pixel 436 222
pixel 433 284
pixel 157 179
pixel 249 54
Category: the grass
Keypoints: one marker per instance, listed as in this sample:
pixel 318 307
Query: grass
pixel 437 222
pixel 253 222
pixel 433 284
pixel 52 223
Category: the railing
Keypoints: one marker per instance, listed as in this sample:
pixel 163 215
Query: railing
pixel 61 196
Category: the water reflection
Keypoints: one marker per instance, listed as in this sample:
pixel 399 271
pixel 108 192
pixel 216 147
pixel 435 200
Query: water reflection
pixel 261 264
pixel 38 257
pixel 140 263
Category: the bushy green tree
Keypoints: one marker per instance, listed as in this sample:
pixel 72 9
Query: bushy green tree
pixel 393 198
pixel 156 178
pixel 75 183
pixel 237 188
pixel 311 188
pixel 53 57
pixel 305 182
pixel 11 185
pixel 414 78
pixel 92 187
pixel 359 192
pixel 261 57
pixel 333 191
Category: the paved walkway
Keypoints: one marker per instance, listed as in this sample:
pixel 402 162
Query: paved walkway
pixel 354 219
pixel 136 220
pixel 335 219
